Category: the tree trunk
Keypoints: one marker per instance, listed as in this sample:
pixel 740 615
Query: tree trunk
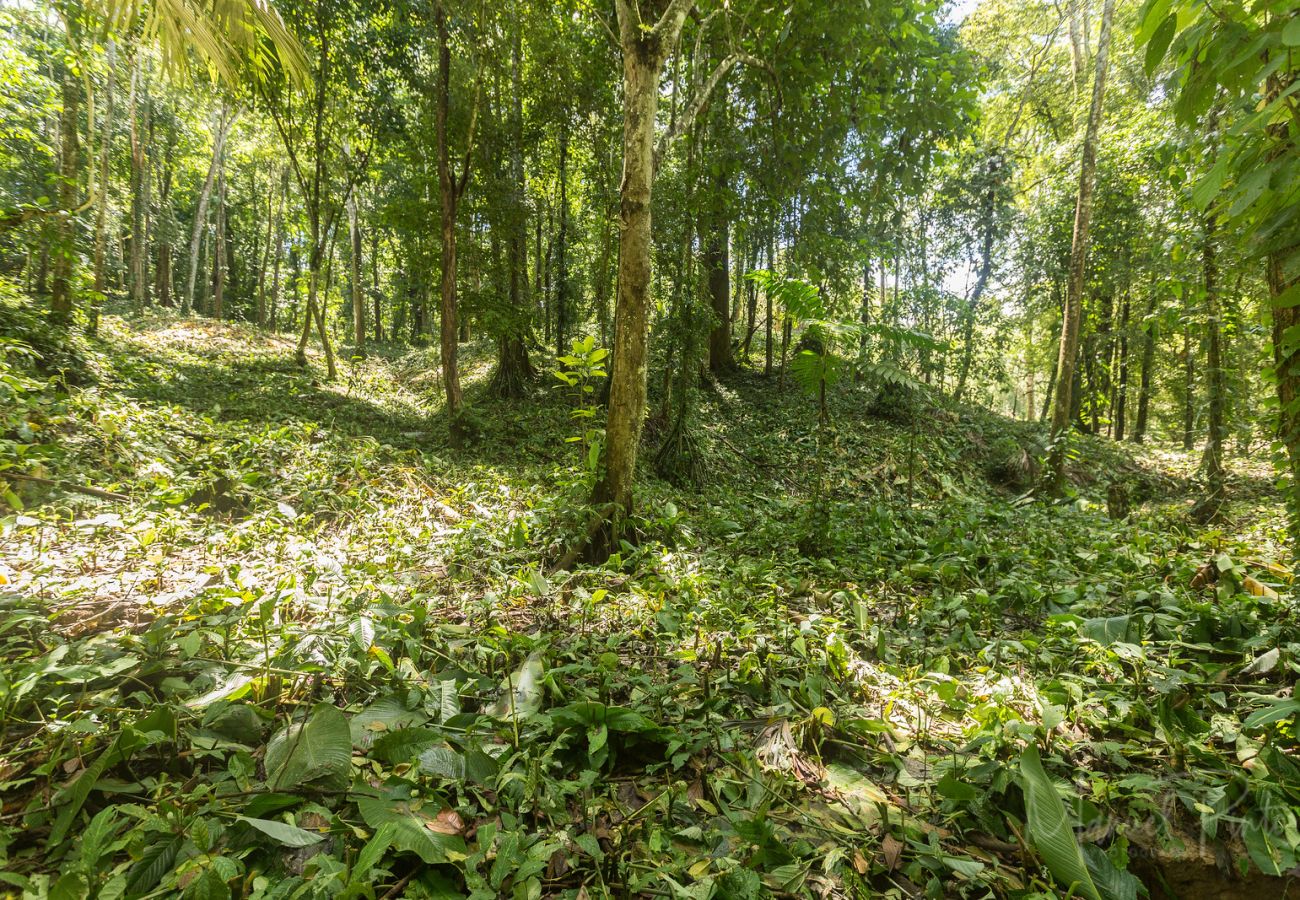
pixel 718 266
pixel 562 312
pixel 767 296
pixel 1286 367
pixel 1121 389
pixel 65 249
pixel 971 312
pixel 1209 507
pixel 219 273
pixel 354 275
pixel 1189 386
pixel 225 120
pixel 1078 259
pixel 449 191
pixel 105 146
pixel 374 285
pixel 141 135
pixel 644 52
pixel 1148 363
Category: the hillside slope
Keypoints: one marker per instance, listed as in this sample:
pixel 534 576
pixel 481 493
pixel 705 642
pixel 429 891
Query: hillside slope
pixel 300 648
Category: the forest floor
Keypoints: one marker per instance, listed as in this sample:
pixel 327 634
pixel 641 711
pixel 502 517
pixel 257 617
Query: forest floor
pixel 305 650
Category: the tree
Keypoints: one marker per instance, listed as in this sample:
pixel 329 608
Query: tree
pixel 1078 260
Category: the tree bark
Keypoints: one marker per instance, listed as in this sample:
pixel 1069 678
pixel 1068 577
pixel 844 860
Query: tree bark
pixel 987 235
pixel 644 52
pixel 219 267
pixel 1148 363
pixel 1121 388
pixel 65 249
pixel 105 146
pixel 450 190
pixel 1209 507
pixel 1078 259
pixel 354 275
pixel 562 312
pixel 718 266
pixel 225 120
pixel 1189 386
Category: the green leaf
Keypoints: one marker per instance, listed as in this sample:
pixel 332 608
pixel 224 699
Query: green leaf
pixel 410 829
pixel 319 751
pixel 1278 711
pixel 1160 42
pixel 522 691
pixel 1291 32
pixel 1050 829
pixel 289 835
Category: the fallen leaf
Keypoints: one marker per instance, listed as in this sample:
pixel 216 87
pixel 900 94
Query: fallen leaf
pixel 446 822
pixel 891 848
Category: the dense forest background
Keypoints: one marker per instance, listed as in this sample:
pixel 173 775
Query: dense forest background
pixel 657 448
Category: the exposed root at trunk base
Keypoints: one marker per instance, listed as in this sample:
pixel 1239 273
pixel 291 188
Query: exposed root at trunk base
pixel 596 541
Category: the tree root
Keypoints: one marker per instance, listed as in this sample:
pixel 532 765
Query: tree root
pixel 600 519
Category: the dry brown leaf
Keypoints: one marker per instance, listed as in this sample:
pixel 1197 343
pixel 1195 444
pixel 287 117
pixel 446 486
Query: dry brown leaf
pixel 891 848
pixel 448 821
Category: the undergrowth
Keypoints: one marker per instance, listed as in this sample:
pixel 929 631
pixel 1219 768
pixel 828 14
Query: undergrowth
pixel 310 652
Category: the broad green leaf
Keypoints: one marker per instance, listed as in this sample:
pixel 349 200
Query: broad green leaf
pixel 1050 829
pixel 289 835
pixel 319 750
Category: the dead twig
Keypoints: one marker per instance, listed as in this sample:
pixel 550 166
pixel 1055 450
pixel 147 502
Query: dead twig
pixel 68 486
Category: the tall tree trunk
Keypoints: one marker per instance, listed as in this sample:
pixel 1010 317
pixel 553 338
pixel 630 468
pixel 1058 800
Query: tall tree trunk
pixel 644 52
pixel 1209 507
pixel 767 296
pixel 718 266
pixel 1078 260
pixel 374 285
pixel 277 251
pixel 1148 364
pixel 141 135
pixel 562 312
pixel 65 250
pixel 354 275
pixel 450 190
pixel 1189 387
pixel 219 267
pixel 513 367
pixel 1286 368
pixel 105 146
pixel 1121 389
pixel 225 119
pixel 987 234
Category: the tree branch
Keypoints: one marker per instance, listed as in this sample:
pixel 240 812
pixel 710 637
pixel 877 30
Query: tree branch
pixel 701 100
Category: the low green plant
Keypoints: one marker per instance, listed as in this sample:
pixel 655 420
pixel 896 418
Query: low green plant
pixel 580 369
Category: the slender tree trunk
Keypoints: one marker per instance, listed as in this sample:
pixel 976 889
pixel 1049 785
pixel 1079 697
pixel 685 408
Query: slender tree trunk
pixel 450 191
pixel 277 250
pixel 1148 364
pixel 767 296
pixel 1189 387
pixel 513 367
pixel 225 120
pixel 644 52
pixel 1121 389
pixel 354 275
pixel 562 246
pixel 105 147
pixel 971 312
pixel 1210 506
pixel 65 249
pixel 141 133
pixel 219 273
pixel 374 285
pixel 718 266
pixel 1078 259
